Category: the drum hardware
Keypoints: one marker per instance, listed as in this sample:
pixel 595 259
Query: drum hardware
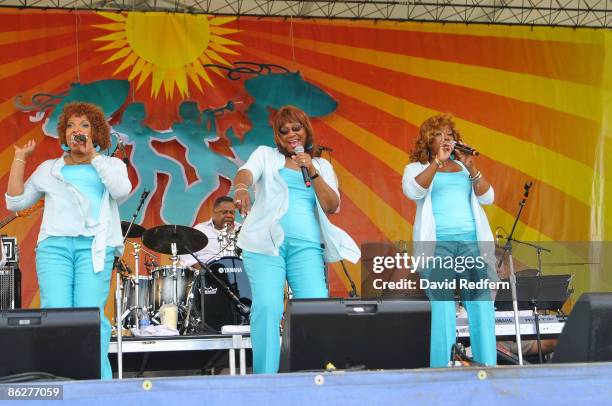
pixel 228 236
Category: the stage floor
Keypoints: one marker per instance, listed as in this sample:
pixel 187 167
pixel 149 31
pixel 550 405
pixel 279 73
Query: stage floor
pixel 561 384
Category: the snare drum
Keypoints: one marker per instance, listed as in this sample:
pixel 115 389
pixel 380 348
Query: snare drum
pixel 163 284
pixel 219 309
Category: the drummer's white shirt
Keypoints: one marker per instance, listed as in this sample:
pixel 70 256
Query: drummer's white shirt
pixel 213 249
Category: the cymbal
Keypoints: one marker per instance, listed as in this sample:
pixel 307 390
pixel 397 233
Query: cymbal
pixel 187 239
pixel 135 232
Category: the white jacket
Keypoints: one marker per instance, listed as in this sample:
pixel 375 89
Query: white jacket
pixel 261 231
pixel 424 228
pixel 66 208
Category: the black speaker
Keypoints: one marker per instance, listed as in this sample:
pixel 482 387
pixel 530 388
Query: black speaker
pixel 62 342
pixel 587 334
pixel 348 333
pixel 10 287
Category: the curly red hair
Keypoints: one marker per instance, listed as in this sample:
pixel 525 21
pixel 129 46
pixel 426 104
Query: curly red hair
pixel 422 147
pixel 291 114
pixel 100 134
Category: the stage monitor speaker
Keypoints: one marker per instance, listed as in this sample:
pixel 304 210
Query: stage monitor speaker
pixel 587 334
pixel 62 342
pixel 390 333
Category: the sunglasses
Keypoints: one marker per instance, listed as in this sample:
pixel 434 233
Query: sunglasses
pixel 295 128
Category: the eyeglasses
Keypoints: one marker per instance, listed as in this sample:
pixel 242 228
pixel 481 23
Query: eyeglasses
pixel 295 128
pixel 225 212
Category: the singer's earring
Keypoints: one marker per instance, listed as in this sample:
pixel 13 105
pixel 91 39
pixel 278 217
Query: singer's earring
pixel 97 148
pixel 65 147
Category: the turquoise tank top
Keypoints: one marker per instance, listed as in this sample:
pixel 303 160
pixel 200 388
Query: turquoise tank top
pixel 86 179
pixel 300 221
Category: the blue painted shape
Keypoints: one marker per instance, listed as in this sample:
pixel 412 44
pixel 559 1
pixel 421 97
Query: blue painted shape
pixel 109 95
pixel 196 129
pixel 274 91
pixel 148 163
pixel 279 89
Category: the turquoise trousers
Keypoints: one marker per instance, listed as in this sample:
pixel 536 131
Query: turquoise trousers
pixel 301 264
pixel 66 279
pixel 477 302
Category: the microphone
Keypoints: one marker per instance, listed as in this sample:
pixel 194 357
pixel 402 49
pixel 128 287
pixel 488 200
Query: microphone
pixel 79 137
pixel 300 150
pixel 121 146
pixel 465 149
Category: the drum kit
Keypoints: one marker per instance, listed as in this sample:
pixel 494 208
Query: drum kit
pixel 206 297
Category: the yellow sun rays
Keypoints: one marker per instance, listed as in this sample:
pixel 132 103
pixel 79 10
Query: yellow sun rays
pixel 172 49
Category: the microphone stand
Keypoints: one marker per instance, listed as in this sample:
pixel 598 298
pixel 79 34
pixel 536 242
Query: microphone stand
pixel 533 302
pixel 353 292
pixel 119 293
pixel 508 250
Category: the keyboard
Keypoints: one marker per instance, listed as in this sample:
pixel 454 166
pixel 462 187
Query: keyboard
pixel 550 325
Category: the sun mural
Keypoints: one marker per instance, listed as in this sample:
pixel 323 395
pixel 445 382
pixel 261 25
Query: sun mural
pixel 147 42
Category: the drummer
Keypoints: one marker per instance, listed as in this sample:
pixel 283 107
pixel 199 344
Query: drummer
pixel 224 214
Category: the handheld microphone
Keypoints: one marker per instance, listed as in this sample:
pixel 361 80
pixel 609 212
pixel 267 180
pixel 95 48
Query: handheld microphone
pixel 79 137
pixel 465 149
pixel 121 146
pixel 299 150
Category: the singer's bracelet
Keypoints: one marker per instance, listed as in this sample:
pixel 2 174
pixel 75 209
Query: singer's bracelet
pixel 313 177
pixel 244 185
pixel 240 188
pixel 19 160
pixel 476 177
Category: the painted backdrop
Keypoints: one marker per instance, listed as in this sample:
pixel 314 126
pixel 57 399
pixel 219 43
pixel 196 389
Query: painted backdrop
pixel 191 97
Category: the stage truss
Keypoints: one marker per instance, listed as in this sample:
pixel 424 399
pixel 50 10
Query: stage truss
pixel 568 13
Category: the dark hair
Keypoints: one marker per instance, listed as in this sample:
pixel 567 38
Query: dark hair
pixel 222 199
pixel 100 134
pixel 421 152
pixel 291 114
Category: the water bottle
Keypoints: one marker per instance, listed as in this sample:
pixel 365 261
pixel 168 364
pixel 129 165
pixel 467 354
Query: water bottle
pixel 144 321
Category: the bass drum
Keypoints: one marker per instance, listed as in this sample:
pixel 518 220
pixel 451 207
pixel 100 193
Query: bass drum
pixel 219 309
